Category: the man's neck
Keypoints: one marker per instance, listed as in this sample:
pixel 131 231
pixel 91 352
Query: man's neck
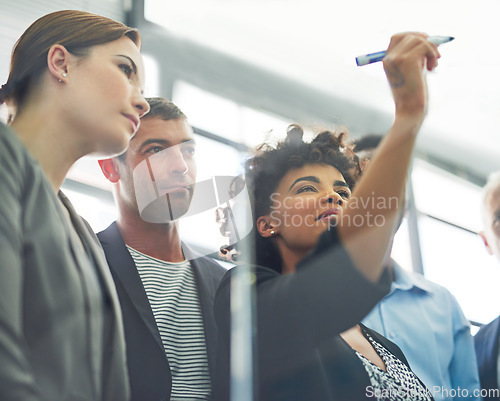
pixel 160 241
pixel 390 268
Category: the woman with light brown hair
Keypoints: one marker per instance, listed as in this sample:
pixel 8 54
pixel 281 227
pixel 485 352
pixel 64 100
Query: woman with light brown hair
pixel 75 85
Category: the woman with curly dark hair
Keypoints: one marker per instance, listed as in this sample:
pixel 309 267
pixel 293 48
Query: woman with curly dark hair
pixel 320 252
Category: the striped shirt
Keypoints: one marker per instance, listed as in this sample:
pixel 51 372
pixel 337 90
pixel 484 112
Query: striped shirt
pixel 171 290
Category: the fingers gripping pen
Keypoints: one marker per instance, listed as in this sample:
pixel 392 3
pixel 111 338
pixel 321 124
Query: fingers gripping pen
pixel 378 56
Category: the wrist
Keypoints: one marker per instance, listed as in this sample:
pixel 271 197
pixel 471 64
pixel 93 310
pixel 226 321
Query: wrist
pixel 408 124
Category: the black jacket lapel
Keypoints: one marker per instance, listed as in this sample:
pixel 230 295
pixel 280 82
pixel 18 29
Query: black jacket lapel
pixel 123 269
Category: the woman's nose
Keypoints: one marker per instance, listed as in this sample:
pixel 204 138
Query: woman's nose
pixel 142 105
pixel 335 199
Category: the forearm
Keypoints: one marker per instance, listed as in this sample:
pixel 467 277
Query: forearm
pixel 377 199
pixel 370 217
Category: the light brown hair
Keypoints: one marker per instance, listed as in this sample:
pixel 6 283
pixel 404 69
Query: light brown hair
pixel 77 31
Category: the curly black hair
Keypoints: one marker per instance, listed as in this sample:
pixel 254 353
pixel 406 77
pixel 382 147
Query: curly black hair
pixel 370 141
pixel 264 171
pixel 269 164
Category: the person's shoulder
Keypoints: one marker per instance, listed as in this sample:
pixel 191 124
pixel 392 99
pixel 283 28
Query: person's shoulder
pixel 11 147
pixel 110 233
pixel 421 282
pixel 19 171
pixel 8 136
pixel 440 299
pixel 210 263
pixel 260 274
pixel 488 329
pixel 428 285
pixel 438 291
pixel 5 131
pixel 202 261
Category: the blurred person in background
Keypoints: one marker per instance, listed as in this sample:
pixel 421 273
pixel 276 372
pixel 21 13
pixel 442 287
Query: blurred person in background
pixel 425 320
pixel 487 338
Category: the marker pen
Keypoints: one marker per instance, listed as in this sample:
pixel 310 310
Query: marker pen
pixel 374 57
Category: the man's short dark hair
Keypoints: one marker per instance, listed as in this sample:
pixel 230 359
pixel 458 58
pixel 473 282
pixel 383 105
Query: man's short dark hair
pixel 164 109
pixel 159 108
pixel 370 141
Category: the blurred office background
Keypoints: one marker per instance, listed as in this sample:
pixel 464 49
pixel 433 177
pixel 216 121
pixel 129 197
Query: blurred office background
pixel 242 70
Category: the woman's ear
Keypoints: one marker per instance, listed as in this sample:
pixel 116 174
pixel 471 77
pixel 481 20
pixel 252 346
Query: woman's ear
pixel 265 227
pixel 110 170
pixel 58 60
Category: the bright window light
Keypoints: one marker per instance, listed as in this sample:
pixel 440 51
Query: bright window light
pixel 152 86
pixel 99 213
pixel 457 260
pixel 446 196
pixel 225 117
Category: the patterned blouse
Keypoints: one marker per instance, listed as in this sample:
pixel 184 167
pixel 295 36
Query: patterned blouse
pixel 398 383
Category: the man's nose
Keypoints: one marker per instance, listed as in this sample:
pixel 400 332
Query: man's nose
pixel 177 165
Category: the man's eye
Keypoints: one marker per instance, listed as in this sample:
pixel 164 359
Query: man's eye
pixel 190 150
pixel 154 149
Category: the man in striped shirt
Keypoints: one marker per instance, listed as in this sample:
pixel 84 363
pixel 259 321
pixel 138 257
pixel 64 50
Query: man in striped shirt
pixel 166 296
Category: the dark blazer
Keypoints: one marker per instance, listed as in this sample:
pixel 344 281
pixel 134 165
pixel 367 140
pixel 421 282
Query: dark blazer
pixel 61 331
pixel 299 353
pixel 149 371
pixel 487 341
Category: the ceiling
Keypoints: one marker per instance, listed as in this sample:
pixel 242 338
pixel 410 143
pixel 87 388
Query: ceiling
pixel 315 42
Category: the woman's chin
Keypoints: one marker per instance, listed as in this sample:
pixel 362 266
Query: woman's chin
pixel 113 149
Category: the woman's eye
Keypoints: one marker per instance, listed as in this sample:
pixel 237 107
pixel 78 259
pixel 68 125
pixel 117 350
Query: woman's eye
pixel 127 69
pixel 344 194
pixel 307 188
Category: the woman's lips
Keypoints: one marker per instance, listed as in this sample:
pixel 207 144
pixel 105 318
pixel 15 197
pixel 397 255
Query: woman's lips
pixel 134 121
pixel 327 214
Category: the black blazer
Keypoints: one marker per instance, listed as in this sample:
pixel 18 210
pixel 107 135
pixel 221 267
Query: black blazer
pixel 148 367
pixel 299 353
pixel 487 341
